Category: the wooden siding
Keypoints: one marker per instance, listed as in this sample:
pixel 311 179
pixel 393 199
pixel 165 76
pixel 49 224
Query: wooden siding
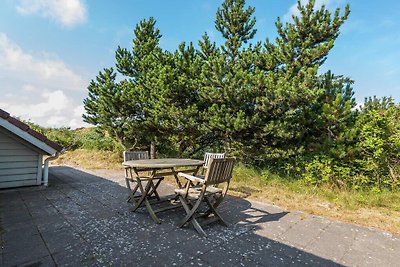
pixel 19 164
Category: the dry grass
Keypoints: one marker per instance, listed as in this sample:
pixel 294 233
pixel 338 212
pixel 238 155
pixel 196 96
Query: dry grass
pixel 370 209
pixel 90 159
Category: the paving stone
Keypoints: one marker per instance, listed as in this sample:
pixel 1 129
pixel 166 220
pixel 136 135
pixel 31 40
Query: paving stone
pixel 20 237
pixel 81 255
pixel 13 241
pixel 278 224
pixel 10 196
pixel 58 240
pixel 42 262
pixel 313 260
pixel 15 213
pixel 358 258
pixel 167 257
pixel 37 203
pixel 334 242
pixel 31 196
pixel 229 258
pixel 23 225
pixel 17 254
pixel 262 250
pixel 304 231
pixel 15 203
pixel 54 194
pixel 51 223
pixel 43 211
pixel 197 262
pixel 371 247
pixel 195 246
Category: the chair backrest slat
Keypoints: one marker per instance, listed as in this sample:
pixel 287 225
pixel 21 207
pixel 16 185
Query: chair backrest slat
pixel 208 156
pixel 219 170
pixel 135 155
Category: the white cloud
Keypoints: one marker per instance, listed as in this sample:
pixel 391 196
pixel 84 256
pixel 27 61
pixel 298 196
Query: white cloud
pixel 66 12
pixel 318 4
pixel 54 109
pixel 39 88
pixel 17 64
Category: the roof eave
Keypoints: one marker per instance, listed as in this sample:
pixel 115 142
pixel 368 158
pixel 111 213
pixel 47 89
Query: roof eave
pixel 27 137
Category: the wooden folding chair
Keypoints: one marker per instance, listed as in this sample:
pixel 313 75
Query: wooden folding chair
pixel 219 171
pixel 131 177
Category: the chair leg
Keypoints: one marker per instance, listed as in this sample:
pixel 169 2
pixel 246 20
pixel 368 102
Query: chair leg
pixel 190 218
pixel 198 228
pixel 188 210
pixel 151 211
pixel 132 195
pixel 131 192
pixel 143 197
pixel 213 210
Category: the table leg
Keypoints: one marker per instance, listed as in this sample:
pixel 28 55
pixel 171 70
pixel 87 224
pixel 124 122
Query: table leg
pixel 128 179
pixel 154 189
pixel 145 194
pixel 176 178
pixel 197 170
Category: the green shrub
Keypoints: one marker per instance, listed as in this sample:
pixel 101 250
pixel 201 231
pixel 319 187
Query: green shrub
pixel 379 146
pixel 63 136
pixel 368 157
pixel 94 139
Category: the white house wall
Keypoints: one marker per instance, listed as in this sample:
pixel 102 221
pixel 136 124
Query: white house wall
pixel 20 165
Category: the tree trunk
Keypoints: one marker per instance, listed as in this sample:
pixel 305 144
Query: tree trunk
pixel 227 144
pixel 153 150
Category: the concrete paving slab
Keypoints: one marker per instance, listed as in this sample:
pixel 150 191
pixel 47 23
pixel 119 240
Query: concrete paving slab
pixel 333 242
pixel 305 231
pixel 15 254
pixel 42 262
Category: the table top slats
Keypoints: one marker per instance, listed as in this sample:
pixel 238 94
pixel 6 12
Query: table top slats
pixel 162 163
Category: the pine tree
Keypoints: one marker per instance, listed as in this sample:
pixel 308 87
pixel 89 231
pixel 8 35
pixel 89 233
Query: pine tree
pixel 305 42
pixel 332 117
pixel 106 107
pixel 126 109
pixel 286 75
pixel 182 111
pixel 226 73
pixel 145 67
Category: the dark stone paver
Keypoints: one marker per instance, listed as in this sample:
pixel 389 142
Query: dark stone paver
pixel 83 219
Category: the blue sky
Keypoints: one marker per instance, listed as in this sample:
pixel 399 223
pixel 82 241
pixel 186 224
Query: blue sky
pixel 50 50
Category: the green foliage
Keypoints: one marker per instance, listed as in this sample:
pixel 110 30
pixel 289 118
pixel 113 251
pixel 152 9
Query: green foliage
pixel 289 102
pixel 63 136
pixel 95 139
pixel 378 145
pixel 226 75
pixel 322 169
pixel 107 107
pixel 89 138
pixel 368 155
pixel 265 103
pixel 305 42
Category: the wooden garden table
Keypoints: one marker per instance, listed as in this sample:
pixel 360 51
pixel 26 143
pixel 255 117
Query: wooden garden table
pixel 157 168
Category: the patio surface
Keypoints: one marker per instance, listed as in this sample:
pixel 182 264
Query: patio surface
pixel 83 219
